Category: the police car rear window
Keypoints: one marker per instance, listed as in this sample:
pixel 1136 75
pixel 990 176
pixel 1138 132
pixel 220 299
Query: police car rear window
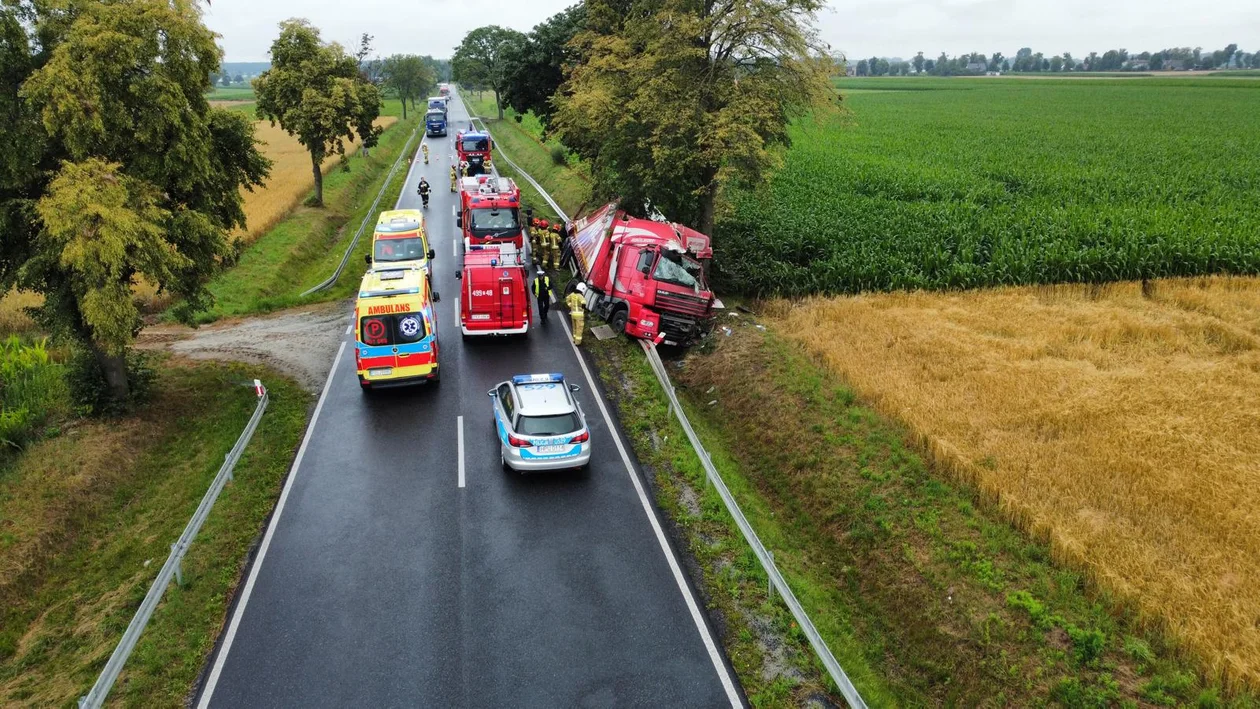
pixel 556 425
pixel 401 329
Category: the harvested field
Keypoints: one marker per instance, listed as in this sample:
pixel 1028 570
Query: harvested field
pixel 1123 427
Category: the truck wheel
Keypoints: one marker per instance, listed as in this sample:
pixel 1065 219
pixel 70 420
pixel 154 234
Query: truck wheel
pixel 619 319
pixel 571 287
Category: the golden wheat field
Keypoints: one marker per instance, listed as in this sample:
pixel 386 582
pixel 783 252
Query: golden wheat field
pixel 1123 428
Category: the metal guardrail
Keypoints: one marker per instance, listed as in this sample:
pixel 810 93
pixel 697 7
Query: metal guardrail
pixel 499 149
pixel 847 690
pixel 96 696
pixel 370 218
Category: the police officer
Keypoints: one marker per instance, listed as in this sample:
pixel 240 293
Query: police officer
pixel 577 311
pixel 542 291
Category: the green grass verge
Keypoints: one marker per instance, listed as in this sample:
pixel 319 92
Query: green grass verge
pixel 523 142
pixel 923 593
pixel 306 246
pixel 121 492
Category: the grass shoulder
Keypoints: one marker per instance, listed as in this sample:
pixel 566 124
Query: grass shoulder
pixel 922 591
pixel 305 247
pixel 89 516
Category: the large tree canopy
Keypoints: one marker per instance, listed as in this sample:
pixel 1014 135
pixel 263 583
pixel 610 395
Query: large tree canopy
pixel 484 58
pixel 113 166
pixel 536 67
pixel 674 98
pixel 315 91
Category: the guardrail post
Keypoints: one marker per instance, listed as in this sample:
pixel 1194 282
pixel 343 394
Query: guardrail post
pixel 179 564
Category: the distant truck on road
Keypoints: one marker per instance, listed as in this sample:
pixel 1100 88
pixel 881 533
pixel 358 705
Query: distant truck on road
pixel 438 103
pixel 645 278
pixel 435 123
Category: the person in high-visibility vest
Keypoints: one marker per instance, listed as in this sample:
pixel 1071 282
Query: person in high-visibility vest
pixel 577 311
pixel 542 291
pixel 535 241
pixel 454 178
pixel 424 148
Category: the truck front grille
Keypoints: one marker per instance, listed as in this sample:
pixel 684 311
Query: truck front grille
pixel 681 303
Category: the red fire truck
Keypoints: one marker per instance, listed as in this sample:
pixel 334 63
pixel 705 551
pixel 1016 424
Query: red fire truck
pixel 494 298
pixel 646 278
pixel 490 211
pixel 473 147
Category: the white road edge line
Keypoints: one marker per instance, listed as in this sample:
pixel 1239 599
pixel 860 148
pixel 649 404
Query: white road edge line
pixel 213 680
pixel 459 436
pixel 349 328
pixel 455 248
pixel 728 684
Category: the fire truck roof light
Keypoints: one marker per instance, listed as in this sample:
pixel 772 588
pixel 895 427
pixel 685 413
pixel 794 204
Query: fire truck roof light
pixel 537 378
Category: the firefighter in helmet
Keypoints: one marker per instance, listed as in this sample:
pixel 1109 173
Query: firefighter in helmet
pixel 454 178
pixel 534 242
pixel 556 237
pixel 577 311
pixel 424 148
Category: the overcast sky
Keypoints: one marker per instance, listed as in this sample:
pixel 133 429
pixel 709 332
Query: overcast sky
pixel 861 28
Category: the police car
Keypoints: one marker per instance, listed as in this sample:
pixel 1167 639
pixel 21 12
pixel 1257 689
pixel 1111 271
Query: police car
pixel 539 423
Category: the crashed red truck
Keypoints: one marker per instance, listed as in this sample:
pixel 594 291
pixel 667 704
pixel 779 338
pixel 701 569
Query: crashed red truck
pixel 645 278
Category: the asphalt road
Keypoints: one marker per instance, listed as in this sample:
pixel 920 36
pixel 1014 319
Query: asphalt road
pixel 405 569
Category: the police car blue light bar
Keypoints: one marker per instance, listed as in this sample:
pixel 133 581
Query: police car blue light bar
pixel 537 378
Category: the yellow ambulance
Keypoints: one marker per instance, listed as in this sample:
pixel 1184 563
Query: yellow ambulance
pixel 395 328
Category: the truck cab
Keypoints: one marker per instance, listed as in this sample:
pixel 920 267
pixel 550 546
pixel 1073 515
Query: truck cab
pixel 435 123
pixel 438 103
pixel 646 278
pixel 474 148
pixel 494 292
pixel 490 212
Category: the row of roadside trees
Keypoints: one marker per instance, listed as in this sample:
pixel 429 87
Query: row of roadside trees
pixel 1025 60
pixel 659 96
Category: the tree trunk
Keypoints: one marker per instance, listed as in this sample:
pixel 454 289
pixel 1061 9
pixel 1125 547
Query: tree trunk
pixel 498 104
pixel 404 103
pixel 708 206
pixel 316 159
pixel 114 367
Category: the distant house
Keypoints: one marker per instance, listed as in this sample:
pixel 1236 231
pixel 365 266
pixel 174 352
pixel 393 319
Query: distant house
pixel 993 73
pixel 1137 65
pixel 977 67
pixel 1174 65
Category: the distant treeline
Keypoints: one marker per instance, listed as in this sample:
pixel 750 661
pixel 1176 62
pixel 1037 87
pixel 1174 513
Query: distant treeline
pixel 1025 60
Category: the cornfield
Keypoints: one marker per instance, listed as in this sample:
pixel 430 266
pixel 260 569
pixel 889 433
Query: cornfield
pixel 962 183
pixel 1120 421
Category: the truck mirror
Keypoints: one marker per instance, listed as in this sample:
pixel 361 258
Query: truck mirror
pixel 432 254
pixel 459 275
pixel 459 220
pixel 574 387
pixel 491 393
pixel 436 298
pixel 367 258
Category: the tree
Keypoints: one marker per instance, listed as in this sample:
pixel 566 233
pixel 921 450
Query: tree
pixel 863 68
pixel 882 67
pixel 995 64
pixel 536 68
pixel 1069 63
pixel 113 166
pixel 929 66
pixel 315 92
pixel 226 80
pixel 677 99
pixel 238 79
pixel 1056 63
pixel 918 63
pixel 484 59
pixel 409 76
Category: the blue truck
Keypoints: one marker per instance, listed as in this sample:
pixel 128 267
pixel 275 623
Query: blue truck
pixel 435 123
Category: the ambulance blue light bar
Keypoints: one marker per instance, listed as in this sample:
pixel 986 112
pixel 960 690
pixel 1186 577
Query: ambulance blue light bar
pixel 537 378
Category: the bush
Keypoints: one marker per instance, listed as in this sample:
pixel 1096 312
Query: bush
pixel 90 393
pixel 32 386
pixel 559 155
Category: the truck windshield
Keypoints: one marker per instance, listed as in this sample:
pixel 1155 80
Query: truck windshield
pixel 557 425
pixel 673 267
pixel 494 220
pixel 398 249
pixel 475 145
pixel 435 117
